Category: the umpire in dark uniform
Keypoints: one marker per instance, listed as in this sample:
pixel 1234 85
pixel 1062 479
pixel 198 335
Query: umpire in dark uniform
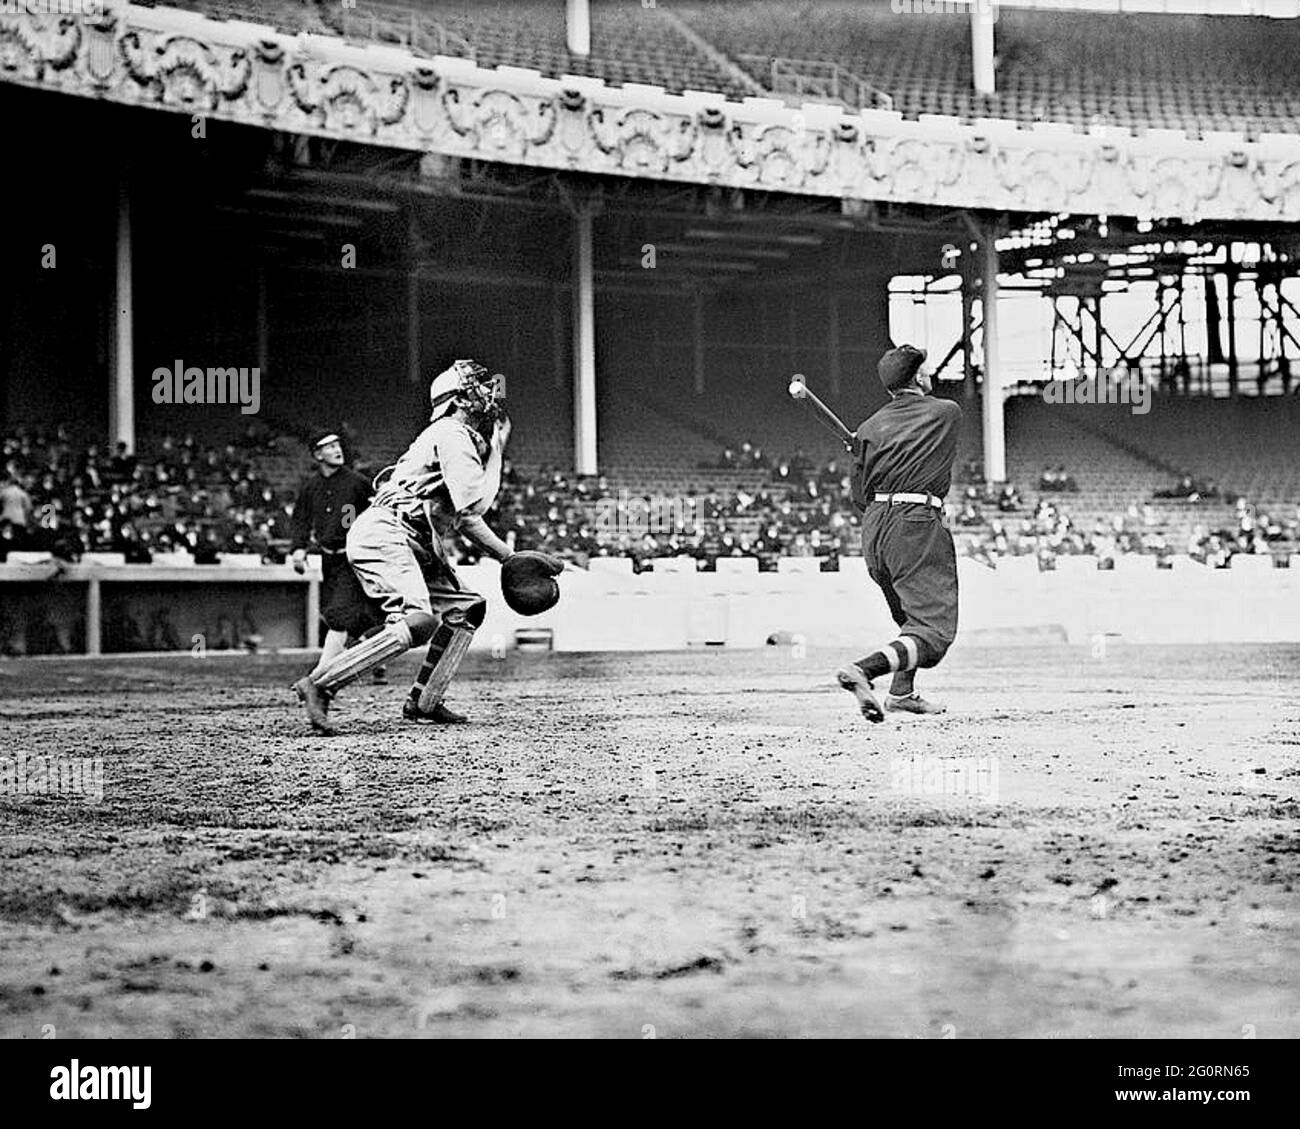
pixel 328 503
pixel 902 471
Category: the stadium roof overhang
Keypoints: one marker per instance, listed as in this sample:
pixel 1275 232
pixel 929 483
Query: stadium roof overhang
pixel 337 138
pixel 288 201
pixel 330 88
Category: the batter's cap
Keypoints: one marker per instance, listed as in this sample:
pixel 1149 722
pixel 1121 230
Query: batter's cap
pixel 898 366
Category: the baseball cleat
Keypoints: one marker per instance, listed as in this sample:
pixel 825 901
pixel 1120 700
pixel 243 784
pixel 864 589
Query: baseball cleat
pixel 439 715
pixel 859 685
pixel 912 703
pixel 317 702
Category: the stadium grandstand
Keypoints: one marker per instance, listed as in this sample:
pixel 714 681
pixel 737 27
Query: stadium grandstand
pixel 624 208
pixel 1053 64
pixel 1085 68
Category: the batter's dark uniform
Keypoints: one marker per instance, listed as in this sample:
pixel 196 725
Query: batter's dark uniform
pixel 325 510
pixel 908 447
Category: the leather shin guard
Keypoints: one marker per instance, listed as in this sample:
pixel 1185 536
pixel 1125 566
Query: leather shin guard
pixel 393 640
pixel 446 651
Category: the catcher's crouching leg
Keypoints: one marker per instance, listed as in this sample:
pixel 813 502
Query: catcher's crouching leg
pixel 396 638
pixel 446 651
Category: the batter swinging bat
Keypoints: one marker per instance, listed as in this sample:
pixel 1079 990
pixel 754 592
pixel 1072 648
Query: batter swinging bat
pixel 799 390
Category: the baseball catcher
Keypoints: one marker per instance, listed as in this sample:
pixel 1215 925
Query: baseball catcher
pixel 444 483
pixel 902 471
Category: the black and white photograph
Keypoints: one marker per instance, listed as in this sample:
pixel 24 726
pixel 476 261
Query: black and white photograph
pixel 650 520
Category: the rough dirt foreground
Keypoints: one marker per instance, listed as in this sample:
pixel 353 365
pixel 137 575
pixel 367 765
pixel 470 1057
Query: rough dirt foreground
pixel 672 845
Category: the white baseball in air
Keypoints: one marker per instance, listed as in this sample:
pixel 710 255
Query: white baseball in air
pixel 798 387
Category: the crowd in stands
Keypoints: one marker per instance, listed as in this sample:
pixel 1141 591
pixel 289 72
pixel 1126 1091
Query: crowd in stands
pixel 805 510
pixel 799 513
pixel 68 500
pixel 1049 532
pixel 181 496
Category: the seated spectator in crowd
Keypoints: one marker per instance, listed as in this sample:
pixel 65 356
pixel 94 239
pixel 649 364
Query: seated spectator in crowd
pixel 1103 548
pixel 121 467
pixel 1186 488
pixel 1189 488
pixel 1217 552
pixel 15 505
pixel 1155 544
pixel 1273 529
pixel 10 540
pixel 1057 478
pixel 969 516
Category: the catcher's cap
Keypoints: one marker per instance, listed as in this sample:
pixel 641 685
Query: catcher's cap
pixel 528 583
pixel 451 382
pixel 322 437
pixel 898 366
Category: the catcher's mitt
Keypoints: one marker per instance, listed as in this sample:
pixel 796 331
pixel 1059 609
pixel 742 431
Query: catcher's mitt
pixel 528 582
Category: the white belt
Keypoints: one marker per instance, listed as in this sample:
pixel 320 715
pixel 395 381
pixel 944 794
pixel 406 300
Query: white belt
pixel 921 499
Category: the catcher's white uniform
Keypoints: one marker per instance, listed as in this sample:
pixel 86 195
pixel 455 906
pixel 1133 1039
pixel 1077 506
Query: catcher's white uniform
pixel 396 546
pixel 450 473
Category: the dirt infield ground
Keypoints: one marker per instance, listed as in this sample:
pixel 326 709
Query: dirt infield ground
pixel 688 845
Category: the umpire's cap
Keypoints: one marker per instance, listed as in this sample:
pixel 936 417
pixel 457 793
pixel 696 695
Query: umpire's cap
pixel 898 366
pixel 528 583
pixel 320 438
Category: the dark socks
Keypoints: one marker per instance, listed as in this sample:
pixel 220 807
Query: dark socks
pixel 892 657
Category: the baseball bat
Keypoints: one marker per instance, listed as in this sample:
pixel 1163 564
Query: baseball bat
pixel 799 390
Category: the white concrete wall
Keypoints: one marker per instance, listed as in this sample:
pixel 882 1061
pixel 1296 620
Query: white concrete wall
pixel 611 609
